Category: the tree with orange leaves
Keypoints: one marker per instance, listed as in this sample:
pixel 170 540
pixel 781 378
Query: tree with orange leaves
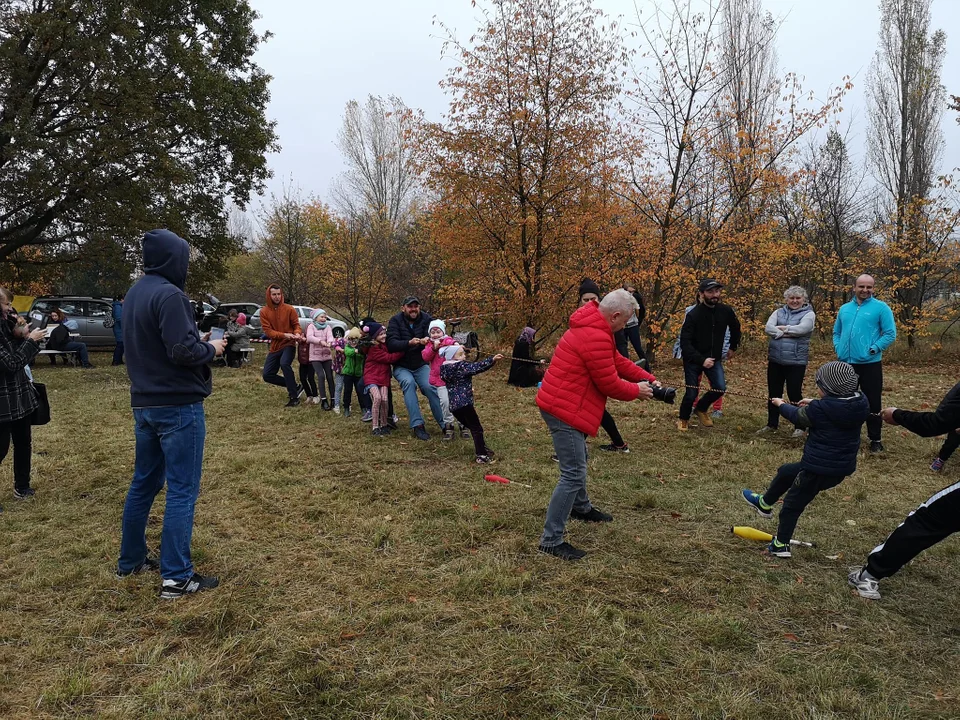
pixel 520 169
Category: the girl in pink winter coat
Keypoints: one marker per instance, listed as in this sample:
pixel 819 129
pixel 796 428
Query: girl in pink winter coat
pixel 437 331
pixel 320 340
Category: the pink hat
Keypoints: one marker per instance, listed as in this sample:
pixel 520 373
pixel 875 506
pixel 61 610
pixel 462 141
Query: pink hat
pixel 241 319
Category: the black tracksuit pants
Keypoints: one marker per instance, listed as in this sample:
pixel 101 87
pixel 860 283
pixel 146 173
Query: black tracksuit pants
pixel 801 487
pixel 777 375
pixel 934 520
pixel 871 385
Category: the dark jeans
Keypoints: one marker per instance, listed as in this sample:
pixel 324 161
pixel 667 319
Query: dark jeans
pixel 118 353
pixel 234 358
pixel 610 427
pixel 169 450
pixel 936 519
pixel 308 378
pixel 350 383
pixel 19 432
pixel 281 360
pixel 800 487
pixel 633 335
pixel 871 385
pixel 691 378
pixel 324 370
pixel 777 375
pixel 467 416
pixel 949 445
pixel 79 348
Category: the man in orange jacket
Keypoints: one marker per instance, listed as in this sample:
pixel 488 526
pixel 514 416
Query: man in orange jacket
pixel 585 370
pixel 281 324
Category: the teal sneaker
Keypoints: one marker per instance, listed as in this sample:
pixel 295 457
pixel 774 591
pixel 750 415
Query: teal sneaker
pixel 778 549
pixel 756 502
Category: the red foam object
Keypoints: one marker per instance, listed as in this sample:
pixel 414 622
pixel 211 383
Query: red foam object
pixel 496 479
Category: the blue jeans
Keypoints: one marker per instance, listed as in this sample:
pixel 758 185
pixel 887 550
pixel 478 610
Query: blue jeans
pixel 409 381
pixel 570 445
pixel 169 448
pixel 281 360
pixel 691 375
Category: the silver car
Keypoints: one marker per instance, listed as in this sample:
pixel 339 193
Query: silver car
pixel 93 315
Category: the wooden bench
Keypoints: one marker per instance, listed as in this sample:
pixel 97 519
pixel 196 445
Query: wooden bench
pixel 66 355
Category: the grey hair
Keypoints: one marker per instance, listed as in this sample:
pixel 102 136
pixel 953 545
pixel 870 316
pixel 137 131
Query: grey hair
pixel 619 301
pixel 795 291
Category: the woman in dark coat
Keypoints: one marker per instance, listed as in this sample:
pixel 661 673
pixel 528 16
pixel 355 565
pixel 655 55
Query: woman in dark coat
pixel 18 399
pixel 524 370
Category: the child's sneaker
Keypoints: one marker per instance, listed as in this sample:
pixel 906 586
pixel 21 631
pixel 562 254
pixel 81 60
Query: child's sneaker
pixel 615 448
pixel 483 460
pixel 171 589
pixel 867 586
pixel 756 502
pixel 465 433
pixel 23 494
pixel 336 409
pixel 778 549
pixel 717 414
pixel 367 416
pixel 683 425
pixel 488 451
pixel 346 412
pixel 448 433
pixel 937 465
pixel 377 432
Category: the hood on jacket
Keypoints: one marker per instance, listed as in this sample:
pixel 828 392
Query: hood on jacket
pixel 283 299
pixel 846 412
pixel 166 254
pixel 589 315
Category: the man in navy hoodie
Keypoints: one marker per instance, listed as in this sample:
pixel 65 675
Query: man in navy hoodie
pixel 169 377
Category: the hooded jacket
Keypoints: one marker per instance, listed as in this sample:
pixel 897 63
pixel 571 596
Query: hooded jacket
pixel 585 370
pixel 277 321
pixel 432 355
pixel 702 334
pixel 166 360
pixel 862 331
pixel 834 438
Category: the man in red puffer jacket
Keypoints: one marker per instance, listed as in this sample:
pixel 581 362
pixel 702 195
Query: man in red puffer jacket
pixel 585 370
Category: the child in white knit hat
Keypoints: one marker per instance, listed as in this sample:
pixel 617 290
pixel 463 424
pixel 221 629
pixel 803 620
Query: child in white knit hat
pixel 437 333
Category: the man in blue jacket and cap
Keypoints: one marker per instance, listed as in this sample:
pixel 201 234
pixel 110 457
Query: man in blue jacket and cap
pixel 863 330
pixel 169 378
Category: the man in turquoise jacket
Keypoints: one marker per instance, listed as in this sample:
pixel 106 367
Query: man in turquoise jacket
pixel 863 330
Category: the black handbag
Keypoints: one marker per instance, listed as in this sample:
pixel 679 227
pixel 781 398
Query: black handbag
pixel 41 416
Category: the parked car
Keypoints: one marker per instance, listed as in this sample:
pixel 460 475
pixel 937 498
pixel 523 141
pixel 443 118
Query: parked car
pixel 89 313
pixel 217 316
pixel 246 308
pixel 303 314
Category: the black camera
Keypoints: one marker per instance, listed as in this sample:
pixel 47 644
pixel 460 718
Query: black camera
pixel 664 394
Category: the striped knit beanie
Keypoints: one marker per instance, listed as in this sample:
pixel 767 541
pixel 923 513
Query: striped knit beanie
pixel 837 378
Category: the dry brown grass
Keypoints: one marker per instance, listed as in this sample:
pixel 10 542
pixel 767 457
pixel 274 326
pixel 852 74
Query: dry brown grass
pixel 366 578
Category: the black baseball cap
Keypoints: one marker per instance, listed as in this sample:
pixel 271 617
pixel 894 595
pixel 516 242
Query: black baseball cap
pixel 709 284
pixel 411 300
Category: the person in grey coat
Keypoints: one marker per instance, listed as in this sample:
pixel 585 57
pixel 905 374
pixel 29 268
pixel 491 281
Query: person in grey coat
pixel 789 327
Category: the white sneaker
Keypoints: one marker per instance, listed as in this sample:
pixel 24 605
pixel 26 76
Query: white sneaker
pixel 867 586
pixel 336 409
pixel 798 433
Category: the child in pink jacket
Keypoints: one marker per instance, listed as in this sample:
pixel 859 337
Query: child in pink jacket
pixel 437 331
pixel 320 340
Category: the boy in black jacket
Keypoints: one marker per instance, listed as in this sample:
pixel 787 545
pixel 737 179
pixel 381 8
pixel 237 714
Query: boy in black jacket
pixel 829 455
pixel 701 346
pixel 934 520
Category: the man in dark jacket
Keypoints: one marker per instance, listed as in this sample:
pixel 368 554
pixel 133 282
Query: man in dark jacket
pixel 701 345
pixel 118 330
pixel 829 455
pixel 934 520
pixel 408 332
pixel 167 363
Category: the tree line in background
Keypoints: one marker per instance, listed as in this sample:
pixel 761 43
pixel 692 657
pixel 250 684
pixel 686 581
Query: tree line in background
pixel 654 152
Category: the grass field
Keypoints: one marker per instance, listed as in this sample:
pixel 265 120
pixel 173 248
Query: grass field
pixel 383 578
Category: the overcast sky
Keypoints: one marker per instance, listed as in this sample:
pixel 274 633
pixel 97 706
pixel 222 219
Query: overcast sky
pixel 327 52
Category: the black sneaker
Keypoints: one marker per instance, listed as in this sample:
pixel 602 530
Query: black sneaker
pixel 555 458
pixel 615 448
pixel 594 515
pixel 171 590
pixel 421 433
pixel 324 405
pixel 465 433
pixel 294 402
pixel 346 412
pixel 876 447
pixel 392 422
pixel 149 564
pixel 483 460
pixel 377 432
pixel 448 433
pixel 564 551
pixel 24 494
pixel 488 451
